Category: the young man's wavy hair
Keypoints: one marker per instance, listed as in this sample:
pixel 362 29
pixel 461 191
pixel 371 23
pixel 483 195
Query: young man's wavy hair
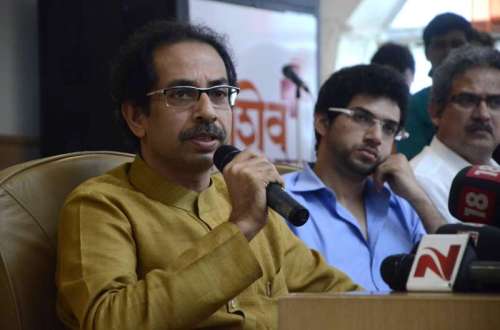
pixel 372 80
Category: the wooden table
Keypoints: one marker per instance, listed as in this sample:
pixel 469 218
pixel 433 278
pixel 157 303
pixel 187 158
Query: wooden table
pixel 390 311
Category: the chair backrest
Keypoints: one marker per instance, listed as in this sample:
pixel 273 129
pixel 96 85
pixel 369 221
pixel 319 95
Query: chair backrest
pixel 31 195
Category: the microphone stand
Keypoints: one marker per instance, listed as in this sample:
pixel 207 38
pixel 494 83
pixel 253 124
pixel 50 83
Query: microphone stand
pixel 298 125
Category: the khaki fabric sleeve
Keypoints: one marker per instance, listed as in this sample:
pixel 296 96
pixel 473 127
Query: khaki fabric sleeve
pixel 98 286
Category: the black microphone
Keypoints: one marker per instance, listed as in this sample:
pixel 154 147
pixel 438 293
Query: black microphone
pixel 486 275
pixel 290 73
pixel 473 275
pixel 485 238
pixel 475 195
pixel 395 270
pixel 277 198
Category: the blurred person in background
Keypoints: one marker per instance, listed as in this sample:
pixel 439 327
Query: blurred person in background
pixel 482 38
pixel 444 33
pixel 398 57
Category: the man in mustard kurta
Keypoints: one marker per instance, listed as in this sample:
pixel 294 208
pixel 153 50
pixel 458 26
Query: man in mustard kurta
pixel 164 242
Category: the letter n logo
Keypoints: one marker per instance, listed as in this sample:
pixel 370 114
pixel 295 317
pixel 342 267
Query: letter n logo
pixel 437 262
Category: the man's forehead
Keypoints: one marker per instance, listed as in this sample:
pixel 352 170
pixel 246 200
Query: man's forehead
pixel 381 106
pixel 449 35
pixel 476 75
pixel 191 62
pixel 186 51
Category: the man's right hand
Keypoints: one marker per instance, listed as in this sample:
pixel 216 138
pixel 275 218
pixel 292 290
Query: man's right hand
pixel 247 176
pixel 396 170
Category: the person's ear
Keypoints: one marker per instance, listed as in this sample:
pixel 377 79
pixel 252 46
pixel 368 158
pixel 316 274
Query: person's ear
pixel 426 52
pixel 136 119
pixel 435 113
pixel 321 123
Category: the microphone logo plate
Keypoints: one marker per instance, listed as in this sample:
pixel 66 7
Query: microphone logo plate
pixel 437 262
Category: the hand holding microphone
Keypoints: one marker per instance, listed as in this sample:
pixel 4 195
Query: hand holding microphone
pixel 254 184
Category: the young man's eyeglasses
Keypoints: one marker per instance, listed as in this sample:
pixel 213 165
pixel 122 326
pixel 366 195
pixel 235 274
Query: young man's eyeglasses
pixel 221 96
pixel 366 119
pixel 468 101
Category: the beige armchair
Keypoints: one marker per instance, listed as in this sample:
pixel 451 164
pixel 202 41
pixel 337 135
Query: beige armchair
pixel 31 195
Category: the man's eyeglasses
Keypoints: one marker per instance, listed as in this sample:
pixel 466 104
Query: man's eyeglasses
pixel 221 96
pixel 468 101
pixel 366 119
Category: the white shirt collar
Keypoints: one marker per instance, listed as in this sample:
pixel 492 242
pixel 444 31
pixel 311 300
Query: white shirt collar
pixel 451 156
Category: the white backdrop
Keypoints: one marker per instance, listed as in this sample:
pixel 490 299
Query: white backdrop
pixel 267 116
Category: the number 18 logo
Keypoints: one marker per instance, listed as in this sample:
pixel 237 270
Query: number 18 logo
pixel 476 205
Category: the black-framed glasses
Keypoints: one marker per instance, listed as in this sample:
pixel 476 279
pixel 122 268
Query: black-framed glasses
pixel 366 119
pixel 469 101
pixel 221 96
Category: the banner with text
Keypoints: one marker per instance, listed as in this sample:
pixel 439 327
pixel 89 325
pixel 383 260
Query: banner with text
pixel 270 115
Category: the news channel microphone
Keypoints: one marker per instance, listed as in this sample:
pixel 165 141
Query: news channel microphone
pixel 289 72
pixel 395 270
pixel 473 275
pixel 475 195
pixel 486 238
pixel 434 268
pixel 439 264
pixel 277 198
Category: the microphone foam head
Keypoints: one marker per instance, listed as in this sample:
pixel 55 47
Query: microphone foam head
pixel 395 270
pixel 475 195
pixel 224 154
pixel 287 69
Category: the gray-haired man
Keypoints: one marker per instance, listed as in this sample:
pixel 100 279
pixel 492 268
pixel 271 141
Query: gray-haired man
pixel 465 107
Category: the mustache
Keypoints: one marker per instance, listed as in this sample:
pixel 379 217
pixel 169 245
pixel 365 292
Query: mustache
pixel 477 125
pixel 369 148
pixel 209 129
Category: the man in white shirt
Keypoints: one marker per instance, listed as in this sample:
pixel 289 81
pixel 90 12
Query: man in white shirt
pixel 465 107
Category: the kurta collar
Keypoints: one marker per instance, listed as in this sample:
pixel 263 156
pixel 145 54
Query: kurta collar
pixel 158 188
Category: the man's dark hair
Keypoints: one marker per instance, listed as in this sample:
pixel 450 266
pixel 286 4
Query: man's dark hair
pixel 133 74
pixel 372 80
pixel 394 55
pixel 482 38
pixel 458 62
pixel 444 23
